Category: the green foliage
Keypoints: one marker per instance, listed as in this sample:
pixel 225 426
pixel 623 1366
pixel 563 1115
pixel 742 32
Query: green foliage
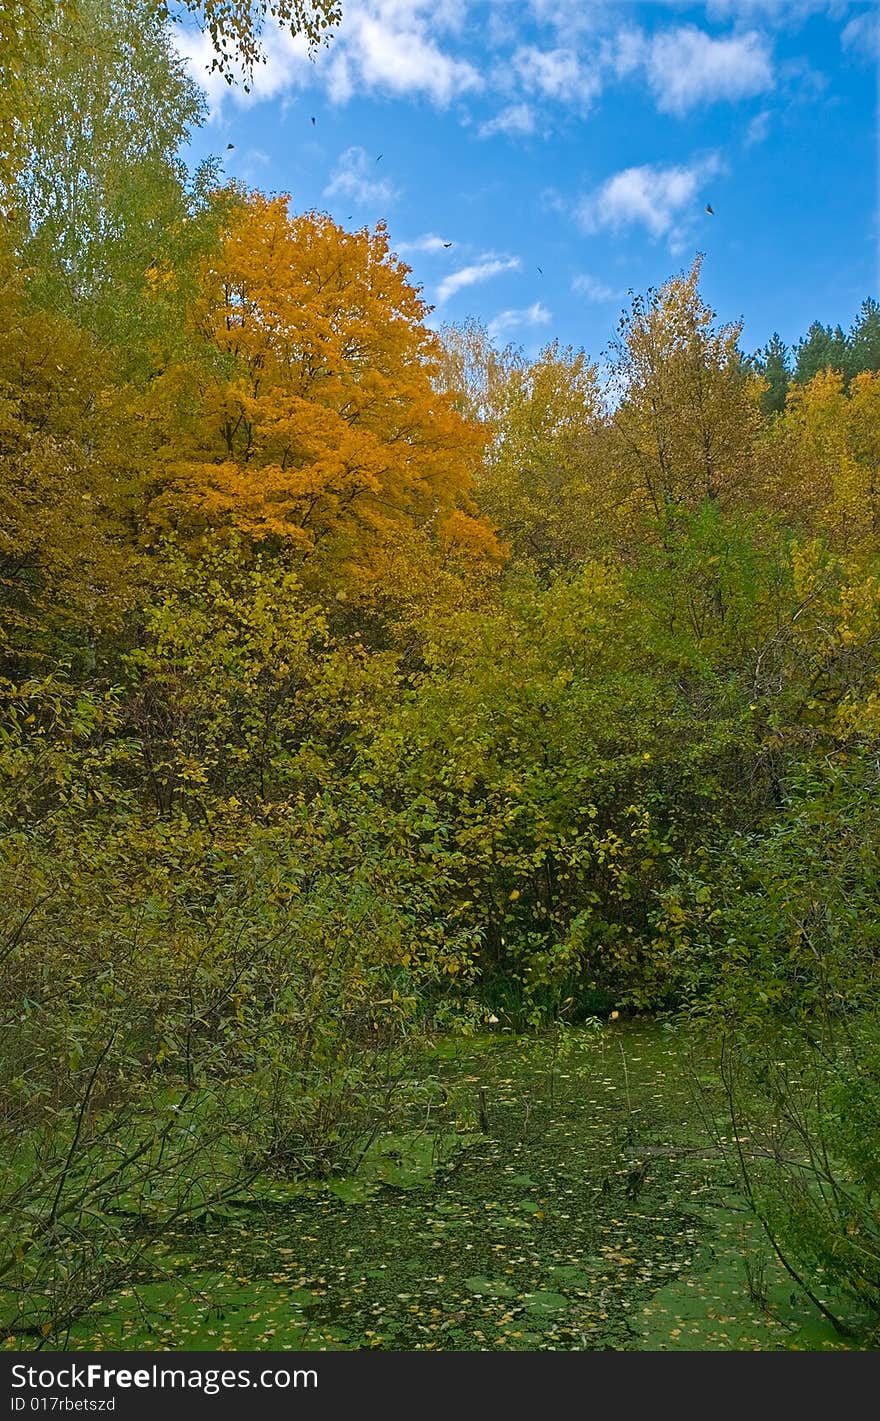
pixel 533 1237
pixel 790 916
pixel 559 748
pixel 536 486
pixel 69 453
pixel 773 365
pixel 267 818
pixel 864 339
pixel 186 1006
pixel 851 353
pixel 820 349
pixel 100 196
pixel 239 693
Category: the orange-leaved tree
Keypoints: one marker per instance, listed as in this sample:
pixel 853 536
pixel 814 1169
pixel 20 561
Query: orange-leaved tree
pixel 308 416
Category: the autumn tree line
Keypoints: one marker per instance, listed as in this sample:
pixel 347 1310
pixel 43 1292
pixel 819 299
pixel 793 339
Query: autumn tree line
pixel 360 682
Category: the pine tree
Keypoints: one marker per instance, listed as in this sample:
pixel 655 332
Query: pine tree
pixel 772 363
pixel 864 339
pixel 821 349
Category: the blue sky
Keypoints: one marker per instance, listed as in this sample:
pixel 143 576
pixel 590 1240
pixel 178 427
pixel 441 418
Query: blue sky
pixel 567 150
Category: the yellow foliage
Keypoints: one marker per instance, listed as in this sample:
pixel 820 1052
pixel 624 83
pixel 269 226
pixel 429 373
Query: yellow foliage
pixel 310 416
pixel 539 485
pixel 66 458
pixel 823 465
pixel 688 413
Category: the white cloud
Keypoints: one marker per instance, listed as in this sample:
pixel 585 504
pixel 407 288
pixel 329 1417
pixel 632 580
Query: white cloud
pixel 653 197
pixel 862 34
pixel 593 289
pixel 560 56
pixel 517 119
pixel 355 177
pixel 507 321
pixel 624 52
pixel 800 82
pixel 557 74
pixel 428 243
pixel 687 67
pixel 780 12
pixel 287 67
pixel 482 270
pixel 395 47
pixel 567 17
pixel 758 128
pixel 388 46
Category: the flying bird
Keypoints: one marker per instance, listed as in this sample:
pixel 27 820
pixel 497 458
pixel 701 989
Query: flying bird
pixel 710 210
pixel 540 270
pixel 447 244
pixel 229 145
pixel 313 120
pixel 380 155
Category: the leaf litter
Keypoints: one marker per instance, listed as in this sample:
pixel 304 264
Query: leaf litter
pixel 538 1235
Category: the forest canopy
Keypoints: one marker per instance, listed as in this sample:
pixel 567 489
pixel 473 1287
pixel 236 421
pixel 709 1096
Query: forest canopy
pixel 358 680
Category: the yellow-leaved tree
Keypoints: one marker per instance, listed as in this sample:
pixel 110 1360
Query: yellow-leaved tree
pixel 68 460
pixel 308 416
pixel 823 458
pixel 539 484
pixel 687 412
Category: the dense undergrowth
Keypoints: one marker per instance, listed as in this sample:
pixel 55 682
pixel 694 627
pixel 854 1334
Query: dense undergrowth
pixel 360 685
